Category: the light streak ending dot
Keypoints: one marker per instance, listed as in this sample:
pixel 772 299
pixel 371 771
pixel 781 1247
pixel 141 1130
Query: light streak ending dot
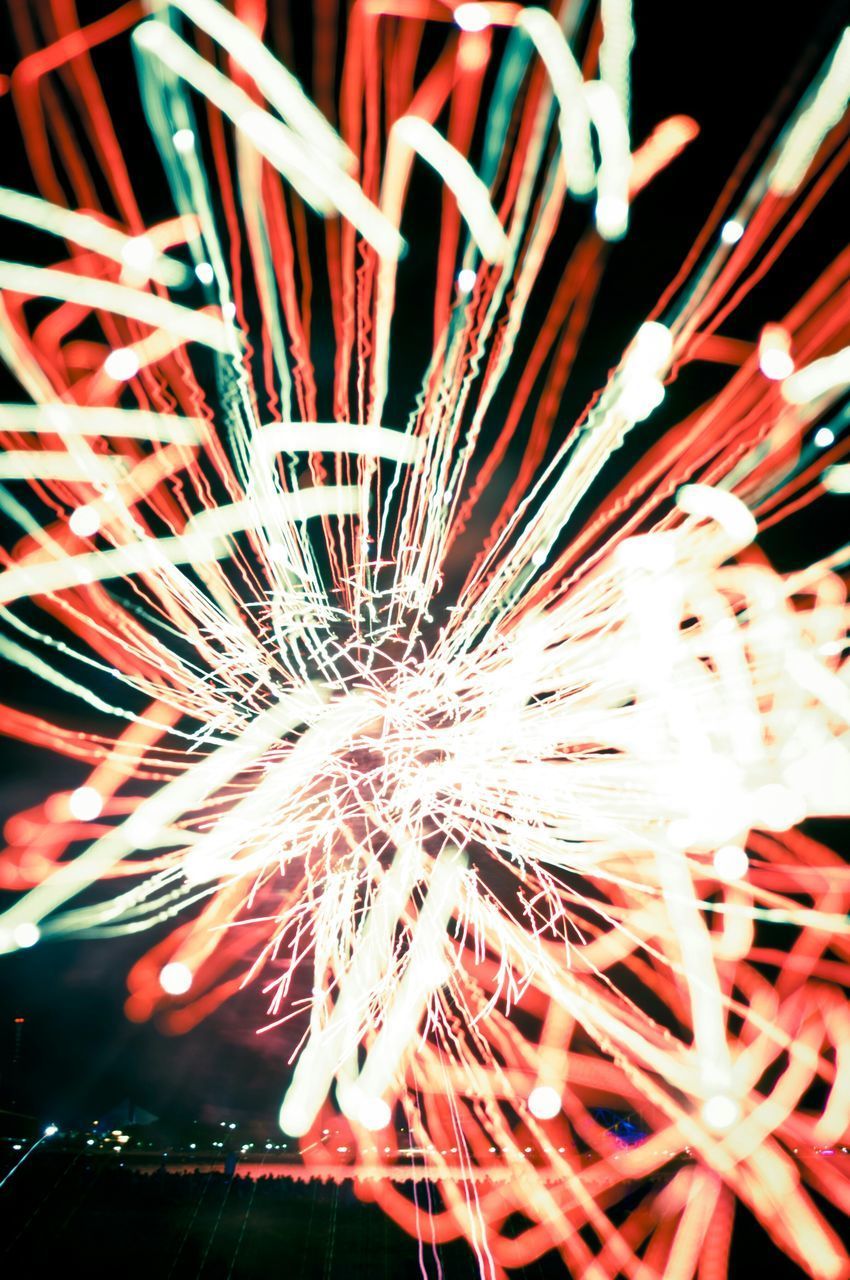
pixel 122 364
pixel 776 364
pixel 472 17
pixel 466 278
pixel 731 862
pixel 175 978
pixel 85 804
pixel 84 521
pixel 184 141
pixel 731 231
pixel 139 254
pixel 26 935
pixel 374 1114
pixel 720 1112
pixel 544 1102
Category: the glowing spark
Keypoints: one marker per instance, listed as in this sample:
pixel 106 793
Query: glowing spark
pixel 544 1102
pixel 175 979
pixel 85 804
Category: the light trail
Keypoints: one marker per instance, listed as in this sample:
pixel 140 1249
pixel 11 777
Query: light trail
pixel 497 802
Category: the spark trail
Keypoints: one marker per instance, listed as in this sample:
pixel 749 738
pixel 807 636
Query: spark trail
pixel 504 836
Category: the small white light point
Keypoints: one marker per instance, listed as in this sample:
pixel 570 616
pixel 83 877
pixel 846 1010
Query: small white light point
pixel 139 254
pixel 775 359
pixel 720 1112
pixel 466 278
pixel 612 217
pixel 731 231
pixel 538 557
pixel 228 310
pixel 472 17
pixel 26 935
pixel 204 272
pixel 184 141
pixel 50 1130
pixel 122 364
pixel 776 364
pixel 544 1102
pixel 731 862
pixel 175 978
pixel 374 1114
pixel 824 437
pixel 84 522
pixel 85 804
pixel 653 346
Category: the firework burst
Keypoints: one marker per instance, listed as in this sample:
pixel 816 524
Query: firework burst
pixel 502 834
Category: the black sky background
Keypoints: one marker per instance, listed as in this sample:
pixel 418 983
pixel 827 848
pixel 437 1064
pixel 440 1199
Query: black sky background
pixel 725 65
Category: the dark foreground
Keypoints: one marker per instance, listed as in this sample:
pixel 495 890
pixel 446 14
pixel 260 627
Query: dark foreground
pixel 76 1215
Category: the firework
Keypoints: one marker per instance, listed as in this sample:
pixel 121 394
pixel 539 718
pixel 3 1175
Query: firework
pixel 502 837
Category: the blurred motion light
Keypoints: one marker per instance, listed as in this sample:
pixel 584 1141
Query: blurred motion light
pixel 544 1102
pixel 775 359
pixel 139 253
pixel 472 17
pixel 85 804
pixel 720 1112
pixel 175 978
pixel 184 140
pixel 84 521
pixel 26 935
pixel 122 364
pixel 731 862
